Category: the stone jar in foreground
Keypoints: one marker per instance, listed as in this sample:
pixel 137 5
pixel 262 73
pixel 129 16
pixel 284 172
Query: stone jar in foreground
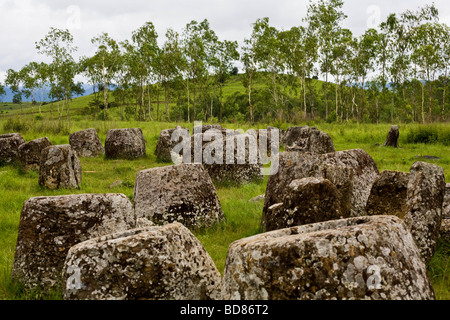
pixel 156 263
pixel 60 167
pixel 9 147
pixel 370 257
pixel 178 193
pixel 86 143
pixel 125 143
pixel 50 226
pixel 425 196
pixel 30 153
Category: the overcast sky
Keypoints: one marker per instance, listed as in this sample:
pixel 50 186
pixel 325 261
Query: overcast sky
pixel 24 22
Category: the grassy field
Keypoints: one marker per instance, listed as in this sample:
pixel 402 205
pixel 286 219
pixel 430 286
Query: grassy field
pixel 242 217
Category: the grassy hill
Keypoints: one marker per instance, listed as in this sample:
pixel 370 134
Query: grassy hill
pixel 80 106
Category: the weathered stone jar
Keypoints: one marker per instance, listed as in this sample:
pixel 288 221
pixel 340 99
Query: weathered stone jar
pixel 157 263
pixel 86 143
pixel 60 167
pixel 9 147
pixel 125 143
pixel 178 193
pixel 356 258
pixel 50 226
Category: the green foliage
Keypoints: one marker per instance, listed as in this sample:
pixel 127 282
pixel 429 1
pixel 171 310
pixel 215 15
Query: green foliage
pixel 429 134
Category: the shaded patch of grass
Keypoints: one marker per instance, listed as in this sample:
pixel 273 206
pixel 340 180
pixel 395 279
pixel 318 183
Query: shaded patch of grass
pixel 439 270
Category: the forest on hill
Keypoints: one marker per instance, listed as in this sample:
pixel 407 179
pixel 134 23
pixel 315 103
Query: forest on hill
pixel 397 72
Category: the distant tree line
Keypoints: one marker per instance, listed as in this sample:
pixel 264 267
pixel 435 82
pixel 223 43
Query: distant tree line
pixel 397 71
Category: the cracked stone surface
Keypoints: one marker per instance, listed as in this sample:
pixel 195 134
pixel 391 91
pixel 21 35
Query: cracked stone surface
pixel 446 204
pixel 425 196
pixel 369 257
pixel 9 147
pixel 30 153
pixel 305 201
pixel 178 193
pixel 86 143
pixel 156 263
pixel 50 226
pixel 60 167
pixel 125 143
pixel 351 171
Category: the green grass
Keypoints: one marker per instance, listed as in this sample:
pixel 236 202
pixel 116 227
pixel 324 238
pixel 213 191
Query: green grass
pixel 242 217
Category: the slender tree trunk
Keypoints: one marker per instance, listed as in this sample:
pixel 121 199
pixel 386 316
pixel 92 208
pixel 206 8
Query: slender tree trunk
pixel 336 94
pixel 363 98
pixel 59 109
pixel 443 94
pixel 105 91
pixel 250 95
pixel 326 95
pixel 275 93
pixel 377 109
pixel 166 102
pixel 304 94
pixel 392 100
pixel 211 115
pixel 67 109
pixel 188 101
pixel 157 103
pixel 430 98
pixel 423 102
pixel 220 102
pixel 194 102
pixel 149 102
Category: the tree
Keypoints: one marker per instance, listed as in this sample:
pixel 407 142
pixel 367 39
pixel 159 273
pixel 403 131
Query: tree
pixel 268 57
pixel 225 52
pixel 144 54
pixel 325 19
pixel 88 67
pixel 15 79
pixel 298 48
pixel 2 90
pixel 445 62
pixel 35 77
pixel 248 52
pixel 426 55
pixel 169 63
pixel 58 45
pixel 340 55
pixel 107 56
pixel 364 55
pixel 198 41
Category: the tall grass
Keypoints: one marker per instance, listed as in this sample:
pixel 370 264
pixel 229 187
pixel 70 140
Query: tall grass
pixel 429 134
pixel 242 218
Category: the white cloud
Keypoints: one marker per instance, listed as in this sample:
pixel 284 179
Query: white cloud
pixel 24 22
